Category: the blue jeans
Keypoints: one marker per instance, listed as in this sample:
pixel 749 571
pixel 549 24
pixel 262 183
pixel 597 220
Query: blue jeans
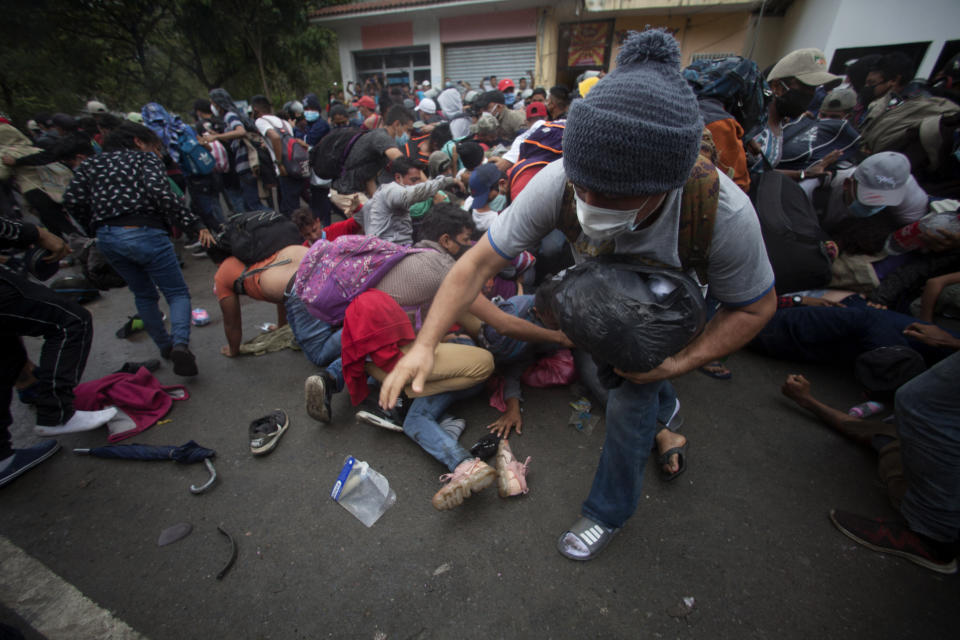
pixel 928 421
pixel 587 370
pixel 829 334
pixel 251 193
pixel 144 257
pixel 422 425
pixel 632 411
pixel 205 200
pixel 320 341
pixel 290 190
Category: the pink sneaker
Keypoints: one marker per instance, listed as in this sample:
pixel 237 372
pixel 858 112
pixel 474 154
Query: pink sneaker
pixel 512 476
pixel 469 477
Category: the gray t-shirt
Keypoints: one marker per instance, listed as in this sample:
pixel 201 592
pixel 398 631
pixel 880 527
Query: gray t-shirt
pixel 364 161
pixel 739 271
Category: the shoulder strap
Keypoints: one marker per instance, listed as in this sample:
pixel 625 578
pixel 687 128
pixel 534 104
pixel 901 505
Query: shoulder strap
pixel 238 283
pixel 698 213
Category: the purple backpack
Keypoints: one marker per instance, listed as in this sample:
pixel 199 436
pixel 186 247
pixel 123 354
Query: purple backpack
pixel 333 273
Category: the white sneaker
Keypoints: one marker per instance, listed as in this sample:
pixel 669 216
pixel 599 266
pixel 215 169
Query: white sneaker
pixel 79 421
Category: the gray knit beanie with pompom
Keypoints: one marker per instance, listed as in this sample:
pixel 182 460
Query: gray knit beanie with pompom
pixel 638 130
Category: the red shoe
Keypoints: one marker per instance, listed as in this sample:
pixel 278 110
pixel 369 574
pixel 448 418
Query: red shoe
pixel 893 537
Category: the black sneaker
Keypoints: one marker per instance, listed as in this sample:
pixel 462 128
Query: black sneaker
pixel 391 419
pixel 265 432
pixel 894 537
pixel 130 327
pixel 486 447
pixel 26 459
pixel 133 367
pixel 318 390
pixel 184 362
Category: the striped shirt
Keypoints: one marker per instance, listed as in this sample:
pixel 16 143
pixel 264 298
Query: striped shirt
pixel 241 164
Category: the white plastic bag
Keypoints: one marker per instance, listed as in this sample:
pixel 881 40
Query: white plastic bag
pixel 363 491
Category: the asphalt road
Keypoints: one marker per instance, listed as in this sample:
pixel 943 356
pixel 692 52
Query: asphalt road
pixel 743 535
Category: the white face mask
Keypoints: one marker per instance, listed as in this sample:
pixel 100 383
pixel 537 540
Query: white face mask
pixel 602 224
pixel 214 110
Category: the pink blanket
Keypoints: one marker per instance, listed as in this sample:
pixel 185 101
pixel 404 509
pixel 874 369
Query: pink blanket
pixel 139 395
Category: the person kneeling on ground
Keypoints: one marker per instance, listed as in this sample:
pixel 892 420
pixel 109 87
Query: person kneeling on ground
pixel 271 280
pixel 458 369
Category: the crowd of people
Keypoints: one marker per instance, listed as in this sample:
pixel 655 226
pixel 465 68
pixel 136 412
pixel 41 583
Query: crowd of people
pixel 433 228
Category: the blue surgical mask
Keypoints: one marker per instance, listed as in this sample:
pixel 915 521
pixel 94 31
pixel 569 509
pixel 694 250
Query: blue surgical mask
pixel 402 140
pixel 861 210
pixel 509 98
pixel 499 203
pixel 311 116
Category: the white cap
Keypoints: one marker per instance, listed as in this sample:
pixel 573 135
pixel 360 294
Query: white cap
pixel 427 106
pixel 425 83
pixel 882 179
pixel 95 107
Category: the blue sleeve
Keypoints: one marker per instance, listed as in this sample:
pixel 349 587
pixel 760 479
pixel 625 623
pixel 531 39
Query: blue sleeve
pixel 319 129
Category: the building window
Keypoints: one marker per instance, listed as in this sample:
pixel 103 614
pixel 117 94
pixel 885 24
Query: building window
pixel 399 66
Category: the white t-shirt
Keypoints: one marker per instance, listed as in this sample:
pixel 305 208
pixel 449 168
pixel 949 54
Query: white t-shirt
pixel 264 124
pixel 739 271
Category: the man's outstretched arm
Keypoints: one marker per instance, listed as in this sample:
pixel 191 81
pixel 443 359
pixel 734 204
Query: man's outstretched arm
pixel 458 291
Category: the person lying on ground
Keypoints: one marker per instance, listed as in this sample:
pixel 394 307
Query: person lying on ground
pixel 923 447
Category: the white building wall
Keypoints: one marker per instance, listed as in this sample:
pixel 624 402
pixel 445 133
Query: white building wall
pixel 837 24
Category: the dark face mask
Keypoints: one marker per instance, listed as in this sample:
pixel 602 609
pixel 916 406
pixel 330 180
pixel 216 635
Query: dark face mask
pixel 867 95
pixel 793 103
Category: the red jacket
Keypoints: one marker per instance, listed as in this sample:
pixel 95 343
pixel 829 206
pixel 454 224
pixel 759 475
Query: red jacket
pixel 374 325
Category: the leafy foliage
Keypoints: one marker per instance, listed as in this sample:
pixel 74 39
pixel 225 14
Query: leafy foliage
pixel 58 54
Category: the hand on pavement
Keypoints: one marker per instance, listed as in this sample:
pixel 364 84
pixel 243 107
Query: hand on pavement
pixel 932 335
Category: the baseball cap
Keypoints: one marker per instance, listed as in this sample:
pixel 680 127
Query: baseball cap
pixel 482 181
pixel 504 84
pixel 839 100
pixel 882 179
pixel 425 83
pixel 491 96
pixel 536 110
pixel 95 107
pixel 366 101
pixel 427 106
pixel 134 116
pixel 809 66
pixel 64 121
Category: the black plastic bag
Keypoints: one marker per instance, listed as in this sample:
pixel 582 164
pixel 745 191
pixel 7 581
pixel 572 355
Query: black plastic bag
pixel 631 317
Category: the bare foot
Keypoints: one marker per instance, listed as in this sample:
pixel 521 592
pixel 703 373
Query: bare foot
pixel 667 440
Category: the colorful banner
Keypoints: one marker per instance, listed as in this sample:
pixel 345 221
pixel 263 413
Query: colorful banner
pixel 588 44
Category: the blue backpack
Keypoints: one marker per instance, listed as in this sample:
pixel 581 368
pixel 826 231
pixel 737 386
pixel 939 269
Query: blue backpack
pixel 180 140
pixel 195 159
pixel 737 83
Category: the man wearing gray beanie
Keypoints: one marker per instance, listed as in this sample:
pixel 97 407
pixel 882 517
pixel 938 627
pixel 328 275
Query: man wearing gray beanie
pixel 630 149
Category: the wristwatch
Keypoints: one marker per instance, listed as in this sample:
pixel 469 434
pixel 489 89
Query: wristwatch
pixel 803 174
pixel 796 300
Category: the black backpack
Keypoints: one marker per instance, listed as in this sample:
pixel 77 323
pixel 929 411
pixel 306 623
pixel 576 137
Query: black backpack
pixel 791 233
pixel 256 235
pixel 328 158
